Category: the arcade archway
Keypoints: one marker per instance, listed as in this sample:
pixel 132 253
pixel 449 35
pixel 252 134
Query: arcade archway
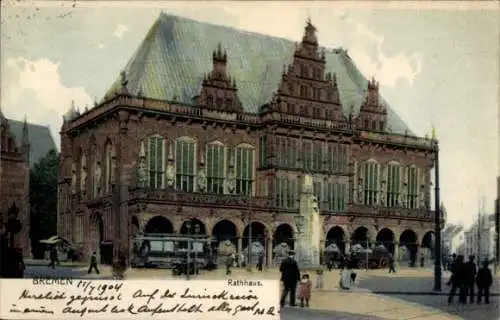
pixel 284 234
pixel 409 246
pixel 360 236
pixel 159 224
pixel 335 236
pixel 226 234
pixel 258 244
pixel 428 244
pixel 385 237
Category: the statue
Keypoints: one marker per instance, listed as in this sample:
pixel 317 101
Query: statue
pixel 170 174
pixel 73 178
pixel 202 179
pixel 83 181
pixel 360 191
pixel 422 199
pixel 142 174
pixel 98 177
pixel 231 183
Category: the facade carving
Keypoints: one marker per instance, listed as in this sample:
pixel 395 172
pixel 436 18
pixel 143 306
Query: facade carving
pixel 166 166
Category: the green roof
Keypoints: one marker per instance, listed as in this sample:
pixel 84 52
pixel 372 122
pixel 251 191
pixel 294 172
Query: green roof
pixel 41 141
pixel 177 52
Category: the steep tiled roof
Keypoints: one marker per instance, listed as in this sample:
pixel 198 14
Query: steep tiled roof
pixel 40 138
pixel 177 52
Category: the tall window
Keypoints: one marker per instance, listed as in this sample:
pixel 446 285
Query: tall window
pixel 287 193
pixel 307 155
pixel 214 157
pixel 95 177
pixel 83 175
pixel 185 164
pixel 317 155
pixel 335 196
pixel 412 174
pixel 281 151
pixel 263 151
pixel 337 158
pixel 108 158
pixel 155 155
pixel 393 184
pixel 244 156
pixel 370 182
pixel 317 191
pixel 79 236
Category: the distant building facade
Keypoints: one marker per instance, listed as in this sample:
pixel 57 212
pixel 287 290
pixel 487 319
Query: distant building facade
pixel 453 239
pixel 22 144
pixel 222 137
pixel 480 238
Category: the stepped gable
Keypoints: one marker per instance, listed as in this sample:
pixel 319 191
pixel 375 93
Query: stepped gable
pixel 176 54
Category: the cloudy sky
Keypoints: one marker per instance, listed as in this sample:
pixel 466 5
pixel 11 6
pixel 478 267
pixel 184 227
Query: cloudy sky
pixel 437 64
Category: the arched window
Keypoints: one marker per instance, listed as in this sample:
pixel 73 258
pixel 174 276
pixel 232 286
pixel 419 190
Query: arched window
pixel 156 156
pixel 185 162
pixel 393 184
pixel 108 166
pixel 286 193
pixel 412 180
pixel 215 156
pixel 244 156
pixel 371 182
pixel 94 171
pixel 83 175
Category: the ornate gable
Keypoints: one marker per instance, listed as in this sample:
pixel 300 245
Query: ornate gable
pixel 305 89
pixel 373 113
pixel 218 90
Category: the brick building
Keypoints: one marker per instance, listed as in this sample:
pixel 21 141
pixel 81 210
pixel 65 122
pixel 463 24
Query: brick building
pixel 216 126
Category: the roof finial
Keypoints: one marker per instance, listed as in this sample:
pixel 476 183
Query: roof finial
pixel 123 82
pixel 434 133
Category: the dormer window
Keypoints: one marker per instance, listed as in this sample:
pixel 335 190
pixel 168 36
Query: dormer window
pixel 229 102
pixel 374 125
pixel 290 108
pixel 367 124
pixel 381 125
pixel 210 100
pixel 219 102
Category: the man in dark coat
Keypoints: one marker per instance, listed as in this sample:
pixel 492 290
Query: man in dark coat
pixel 471 271
pixel 290 276
pixel 457 278
pixel 484 281
pixel 53 257
pixel 391 264
pixel 93 263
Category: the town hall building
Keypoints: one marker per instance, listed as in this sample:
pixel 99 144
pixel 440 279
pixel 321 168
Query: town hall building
pixel 214 127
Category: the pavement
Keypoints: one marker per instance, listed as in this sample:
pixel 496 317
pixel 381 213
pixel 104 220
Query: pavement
pixel 378 294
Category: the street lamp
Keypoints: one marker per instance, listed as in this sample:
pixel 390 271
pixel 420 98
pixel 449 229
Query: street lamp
pixel 437 219
pixel 188 260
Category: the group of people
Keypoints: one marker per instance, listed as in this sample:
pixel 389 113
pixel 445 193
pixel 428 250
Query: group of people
pixel 465 276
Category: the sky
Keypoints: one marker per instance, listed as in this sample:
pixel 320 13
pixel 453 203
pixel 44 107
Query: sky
pixel 437 64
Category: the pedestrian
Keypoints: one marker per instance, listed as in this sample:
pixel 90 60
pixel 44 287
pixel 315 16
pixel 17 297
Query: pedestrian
pixel 391 264
pixel 260 262
pixel 457 279
pixel 305 290
pixel 20 263
pixel 471 271
pixel 345 278
pixel 290 275
pixel 422 260
pixel 484 282
pixel 319 278
pixel 93 263
pixel 229 264
pixel 53 257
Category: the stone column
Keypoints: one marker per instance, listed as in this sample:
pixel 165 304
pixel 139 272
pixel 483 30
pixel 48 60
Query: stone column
pixel 396 251
pixel 269 258
pixel 239 242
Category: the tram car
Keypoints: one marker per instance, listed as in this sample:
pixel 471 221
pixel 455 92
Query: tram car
pixel 369 258
pixel 172 252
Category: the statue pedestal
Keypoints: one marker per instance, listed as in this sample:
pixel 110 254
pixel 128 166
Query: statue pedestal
pixel 307 257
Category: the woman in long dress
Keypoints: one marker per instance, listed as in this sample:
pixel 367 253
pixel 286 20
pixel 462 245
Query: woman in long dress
pixel 345 278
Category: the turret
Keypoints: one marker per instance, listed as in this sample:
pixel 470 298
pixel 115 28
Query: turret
pixel 25 143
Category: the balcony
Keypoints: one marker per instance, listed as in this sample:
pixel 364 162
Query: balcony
pixel 393 213
pixel 197 199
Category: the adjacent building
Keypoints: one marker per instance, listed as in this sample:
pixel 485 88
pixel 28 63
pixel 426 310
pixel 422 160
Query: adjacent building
pixel 214 127
pixel 22 144
pixel 453 239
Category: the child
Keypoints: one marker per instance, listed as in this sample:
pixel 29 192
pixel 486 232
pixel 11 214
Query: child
pixel 319 279
pixel 305 290
pixel 345 280
pixel 484 281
